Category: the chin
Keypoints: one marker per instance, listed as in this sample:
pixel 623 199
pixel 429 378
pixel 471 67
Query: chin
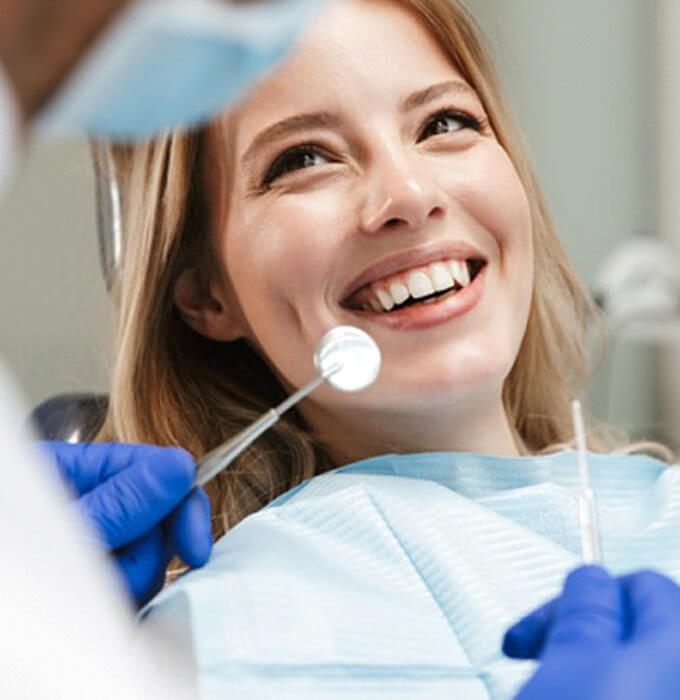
pixel 442 384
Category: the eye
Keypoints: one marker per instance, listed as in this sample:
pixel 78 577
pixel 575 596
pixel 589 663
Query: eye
pixel 448 122
pixel 297 158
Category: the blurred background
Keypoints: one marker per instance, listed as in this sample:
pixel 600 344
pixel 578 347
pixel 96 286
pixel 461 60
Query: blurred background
pixel 593 84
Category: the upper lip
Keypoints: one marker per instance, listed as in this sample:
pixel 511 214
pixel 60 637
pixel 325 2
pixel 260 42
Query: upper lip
pixel 407 259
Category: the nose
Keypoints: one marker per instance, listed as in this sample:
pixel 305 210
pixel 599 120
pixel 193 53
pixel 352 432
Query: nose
pixel 400 195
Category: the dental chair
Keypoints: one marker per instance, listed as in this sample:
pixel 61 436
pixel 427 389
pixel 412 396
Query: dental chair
pixel 77 417
pixel 70 417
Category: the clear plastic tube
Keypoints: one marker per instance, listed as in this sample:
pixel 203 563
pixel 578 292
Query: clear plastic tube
pixel 589 524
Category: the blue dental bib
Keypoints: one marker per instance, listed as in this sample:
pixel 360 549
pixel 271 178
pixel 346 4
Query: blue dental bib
pixel 396 577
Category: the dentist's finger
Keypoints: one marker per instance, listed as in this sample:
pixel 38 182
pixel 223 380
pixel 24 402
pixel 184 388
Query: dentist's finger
pixel 525 639
pixel 135 499
pixel 189 528
pixel 591 612
pixel 653 602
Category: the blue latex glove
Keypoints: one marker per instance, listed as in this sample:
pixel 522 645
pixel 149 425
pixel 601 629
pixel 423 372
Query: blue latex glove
pixel 138 499
pixel 603 638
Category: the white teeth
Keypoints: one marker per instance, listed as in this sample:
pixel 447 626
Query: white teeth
pixel 419 285
pixel 399 293
pixel 441 279
pixel 385 300
pixel 375 305
pixel 459 270
pixel 437 277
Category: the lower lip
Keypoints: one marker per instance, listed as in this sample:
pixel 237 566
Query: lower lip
pixel 423 316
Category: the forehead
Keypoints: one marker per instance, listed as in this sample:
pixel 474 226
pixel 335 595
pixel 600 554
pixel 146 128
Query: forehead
pixel 357 55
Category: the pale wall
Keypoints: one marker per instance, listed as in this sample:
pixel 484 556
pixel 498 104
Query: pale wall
pixel 581 75
pixel 54 311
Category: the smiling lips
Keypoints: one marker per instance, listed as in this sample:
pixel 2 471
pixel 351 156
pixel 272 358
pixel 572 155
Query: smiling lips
pixel 419 285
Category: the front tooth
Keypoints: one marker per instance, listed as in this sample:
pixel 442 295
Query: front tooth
pixel 375 305
pixel 385 300
pixel 460 273
pixel 399 292
pixel 419 285
pixel 441 277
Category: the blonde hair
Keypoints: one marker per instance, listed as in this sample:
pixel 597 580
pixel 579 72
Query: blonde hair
pixel 171 386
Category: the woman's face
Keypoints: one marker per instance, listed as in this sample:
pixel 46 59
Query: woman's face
pixel 370 190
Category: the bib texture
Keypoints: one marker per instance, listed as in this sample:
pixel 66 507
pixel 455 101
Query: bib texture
pixel 397 576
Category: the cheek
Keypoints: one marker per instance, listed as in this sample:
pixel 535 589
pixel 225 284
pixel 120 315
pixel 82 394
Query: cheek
pixel 494 198
pixel 277 251
pixel 492 194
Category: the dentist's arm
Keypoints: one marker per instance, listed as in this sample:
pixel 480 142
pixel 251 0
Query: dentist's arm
pixel 42 40
pixel 603 638
pixel 140 503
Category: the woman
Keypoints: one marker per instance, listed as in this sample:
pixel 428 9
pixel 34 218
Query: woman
pixel 373 179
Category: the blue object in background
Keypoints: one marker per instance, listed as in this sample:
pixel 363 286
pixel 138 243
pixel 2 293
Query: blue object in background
pixel 172 63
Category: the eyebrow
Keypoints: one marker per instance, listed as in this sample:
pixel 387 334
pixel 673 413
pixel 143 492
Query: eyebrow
pixel 291 125
pixel 423 97
pixel 327 120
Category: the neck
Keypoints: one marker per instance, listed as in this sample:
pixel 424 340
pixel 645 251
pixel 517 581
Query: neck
pixel 350 436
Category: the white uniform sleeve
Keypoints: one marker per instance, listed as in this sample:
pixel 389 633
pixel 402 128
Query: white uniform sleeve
pixel 10 130
pixel 67 631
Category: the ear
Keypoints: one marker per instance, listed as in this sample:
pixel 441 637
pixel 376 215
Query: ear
pixel 205 308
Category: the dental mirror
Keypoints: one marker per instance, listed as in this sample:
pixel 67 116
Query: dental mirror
pixel 355 352
pixel 346 357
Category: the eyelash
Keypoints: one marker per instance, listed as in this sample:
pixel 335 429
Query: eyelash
pixel 281 165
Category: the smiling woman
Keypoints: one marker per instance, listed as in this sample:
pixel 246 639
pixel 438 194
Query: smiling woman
pixel 324 218
pixel 372 179
pixel 379 184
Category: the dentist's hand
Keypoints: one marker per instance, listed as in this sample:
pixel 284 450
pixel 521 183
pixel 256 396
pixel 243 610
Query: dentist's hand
pixel 138 499
pixel 603 638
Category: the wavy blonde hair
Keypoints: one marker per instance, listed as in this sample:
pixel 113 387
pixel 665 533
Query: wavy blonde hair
pixel 171 386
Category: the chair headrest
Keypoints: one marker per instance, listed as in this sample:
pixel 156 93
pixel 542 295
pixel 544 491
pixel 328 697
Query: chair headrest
pixel 70 417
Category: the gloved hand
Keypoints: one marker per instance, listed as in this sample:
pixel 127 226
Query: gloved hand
pixel 603 638
pixel 138 499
